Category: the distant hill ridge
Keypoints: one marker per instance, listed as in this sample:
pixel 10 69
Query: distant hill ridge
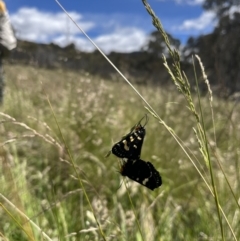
pixel 141 66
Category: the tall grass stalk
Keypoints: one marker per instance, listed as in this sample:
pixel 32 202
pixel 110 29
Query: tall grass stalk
pixel 25 217
pixel 204 143
pixel 77 173
pixel 132 86
pixel 213 123
pixel 182 83
pixel 134 210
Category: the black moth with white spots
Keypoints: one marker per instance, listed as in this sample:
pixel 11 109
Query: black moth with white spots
pixel 129 149
pixel 142 172
pixel 130 146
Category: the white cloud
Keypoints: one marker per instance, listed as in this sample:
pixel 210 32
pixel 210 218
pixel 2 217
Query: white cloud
pixel 121 40
pixel 190 2
pixel 202 23
pixel 112 32
pixel 233 10
pixel 80 42
pixel 34 25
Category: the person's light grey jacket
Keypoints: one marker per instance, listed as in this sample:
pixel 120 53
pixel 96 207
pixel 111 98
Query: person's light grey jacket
pixel 7 36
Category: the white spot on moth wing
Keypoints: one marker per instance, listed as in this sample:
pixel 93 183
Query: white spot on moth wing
pixel 131 139
pixel 144 182
pixel 125 145
pixel 139 138
pixel 135 146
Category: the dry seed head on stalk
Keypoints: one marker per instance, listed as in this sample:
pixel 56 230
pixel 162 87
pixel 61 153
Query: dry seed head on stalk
pixel 201 147
pixel 205 78
pixel 148 223
pixel 178 78
pixel 100 209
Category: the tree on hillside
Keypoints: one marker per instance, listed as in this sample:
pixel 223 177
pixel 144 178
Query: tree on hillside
pixel 157 46
pixel 220 7
pixel 220 50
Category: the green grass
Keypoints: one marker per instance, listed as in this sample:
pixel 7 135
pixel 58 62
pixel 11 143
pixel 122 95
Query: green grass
pixel 38 178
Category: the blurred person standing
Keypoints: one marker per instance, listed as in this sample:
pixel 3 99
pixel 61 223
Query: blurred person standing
pixel 8 42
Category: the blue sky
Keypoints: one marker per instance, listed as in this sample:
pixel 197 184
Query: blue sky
pixel 115 25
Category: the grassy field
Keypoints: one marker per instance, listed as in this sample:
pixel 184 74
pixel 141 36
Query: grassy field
pixel 38 179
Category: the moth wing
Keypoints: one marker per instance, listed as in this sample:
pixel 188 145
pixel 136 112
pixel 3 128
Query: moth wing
pixel 131 145
pixel 142 172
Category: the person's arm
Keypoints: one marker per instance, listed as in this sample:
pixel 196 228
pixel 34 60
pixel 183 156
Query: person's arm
pixel 8 40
